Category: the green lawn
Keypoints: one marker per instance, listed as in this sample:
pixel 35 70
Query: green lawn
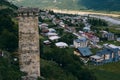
pixel 110 71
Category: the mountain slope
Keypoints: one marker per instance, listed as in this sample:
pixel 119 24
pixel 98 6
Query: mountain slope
pixel 109 5
pixel 5 4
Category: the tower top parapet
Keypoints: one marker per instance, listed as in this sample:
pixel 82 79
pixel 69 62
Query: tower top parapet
pixel 27 11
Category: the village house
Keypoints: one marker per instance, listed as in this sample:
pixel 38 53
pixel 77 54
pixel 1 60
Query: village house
pixel 56 21
pixel 91 37
pixel 62 24
pixel 83 53
pixel 81 42
pixel 43 26
pixel 61 44
pixel 47 42
pixel 105 56
pixel 109 36
pixel 49 34
pixel 110 46
pixel 54 38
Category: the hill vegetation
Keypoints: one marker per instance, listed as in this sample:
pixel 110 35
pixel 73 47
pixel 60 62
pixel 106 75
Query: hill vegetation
pixel 106 5
pixel 9 69
pixel 103 5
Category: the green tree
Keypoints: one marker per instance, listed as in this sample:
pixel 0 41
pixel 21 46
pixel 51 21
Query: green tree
pixel 8 41
pixel 68 38
pixel 9 71
pixel 69 63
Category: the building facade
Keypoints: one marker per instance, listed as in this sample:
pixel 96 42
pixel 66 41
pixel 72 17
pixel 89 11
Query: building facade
pixel 81 42
pixel 29 54
pixel 109 36
pixel 106 55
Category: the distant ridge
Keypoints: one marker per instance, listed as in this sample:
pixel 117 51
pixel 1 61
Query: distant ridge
pixel 102 5
pixel 6 4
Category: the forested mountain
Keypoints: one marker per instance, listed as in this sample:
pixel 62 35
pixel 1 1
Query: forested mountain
pixel 106 5
pixel 109 5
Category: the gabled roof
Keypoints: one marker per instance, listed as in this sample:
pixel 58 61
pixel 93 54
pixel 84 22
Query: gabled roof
pixel 85 51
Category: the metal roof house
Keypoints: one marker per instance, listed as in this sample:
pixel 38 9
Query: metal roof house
pixel 83 53
pixel 105 56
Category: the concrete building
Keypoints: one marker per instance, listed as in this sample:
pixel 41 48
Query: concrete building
pixel 81 42
pixel 109 36
pixel 29 54
pixel 106 55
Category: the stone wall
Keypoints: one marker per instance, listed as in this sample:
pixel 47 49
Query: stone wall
pixel 29 55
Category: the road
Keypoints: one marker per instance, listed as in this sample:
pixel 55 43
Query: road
pixel 108 17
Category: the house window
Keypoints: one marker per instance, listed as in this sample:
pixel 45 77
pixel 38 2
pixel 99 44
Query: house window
pixel 107 56
pixel 119 53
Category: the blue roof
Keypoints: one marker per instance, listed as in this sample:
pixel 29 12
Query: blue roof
pixel 85 51
pixel 80 40
pixel 107 51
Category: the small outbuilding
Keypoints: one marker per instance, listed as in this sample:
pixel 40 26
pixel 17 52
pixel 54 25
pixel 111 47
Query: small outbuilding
pixel 83 52
pixel 47 42
pixel 61 44
pixel 54 38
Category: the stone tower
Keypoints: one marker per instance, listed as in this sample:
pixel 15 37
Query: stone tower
pixel 29 54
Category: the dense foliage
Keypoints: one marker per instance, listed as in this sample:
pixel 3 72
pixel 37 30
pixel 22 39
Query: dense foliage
pixel 8 30
pixel 9 69
pixel 68 38
pixel 8 27
pixel 97 22
pixel 67 62
pixel 107 5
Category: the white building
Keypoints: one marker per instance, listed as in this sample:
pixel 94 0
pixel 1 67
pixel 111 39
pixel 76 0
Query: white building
pixel 53 38
pixel 61 45
pixel 49 34
pixel 81 42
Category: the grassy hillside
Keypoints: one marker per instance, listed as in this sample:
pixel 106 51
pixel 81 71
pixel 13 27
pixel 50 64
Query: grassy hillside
pixel 106 5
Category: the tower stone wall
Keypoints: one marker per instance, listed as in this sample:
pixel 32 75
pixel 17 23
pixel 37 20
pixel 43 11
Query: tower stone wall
pixel 29 54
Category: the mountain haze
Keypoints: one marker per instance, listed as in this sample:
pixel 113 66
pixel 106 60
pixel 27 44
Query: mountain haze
pixel 104 5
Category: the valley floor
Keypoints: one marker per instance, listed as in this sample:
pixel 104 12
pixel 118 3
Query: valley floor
pixel 84 12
